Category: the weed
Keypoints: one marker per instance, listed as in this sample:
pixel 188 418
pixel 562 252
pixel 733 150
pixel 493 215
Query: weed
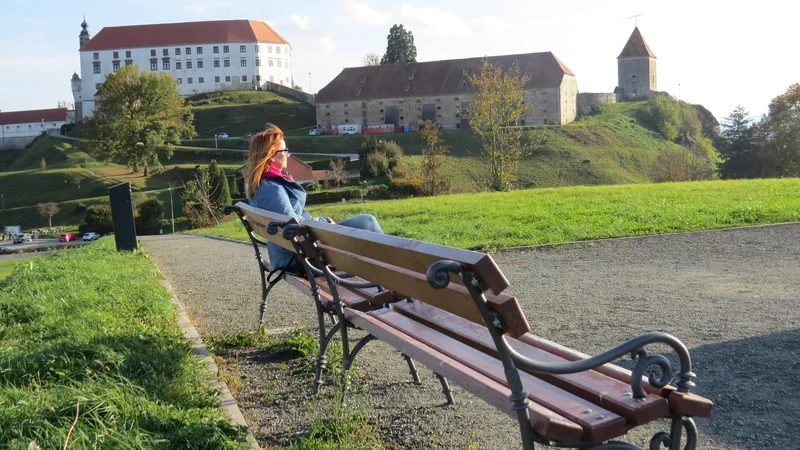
pixel 301 343
pixel 222 343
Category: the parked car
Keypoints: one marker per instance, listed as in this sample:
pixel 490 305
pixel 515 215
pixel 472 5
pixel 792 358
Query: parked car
pixel 248 134
pixel 222 136
pixel 91 236
pixel 312 132
pixel 21 238
pixel 66 237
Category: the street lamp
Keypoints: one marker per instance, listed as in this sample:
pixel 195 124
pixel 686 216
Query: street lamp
pixel 171 209
pixel 3 196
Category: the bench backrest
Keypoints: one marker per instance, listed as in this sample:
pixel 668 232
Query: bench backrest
pixel 258 219
pixel 401 264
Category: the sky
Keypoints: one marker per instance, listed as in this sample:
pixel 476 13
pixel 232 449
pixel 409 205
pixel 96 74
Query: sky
pixel 715 53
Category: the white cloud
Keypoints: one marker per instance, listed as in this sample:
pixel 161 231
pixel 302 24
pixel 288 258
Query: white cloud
pixel 301 22
pixel 356 12
pixel 197 10
pixel 327 44
pixel 436 21
pixel 491 25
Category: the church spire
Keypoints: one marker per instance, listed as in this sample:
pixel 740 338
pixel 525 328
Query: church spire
pixel 636 47
pixel 84 36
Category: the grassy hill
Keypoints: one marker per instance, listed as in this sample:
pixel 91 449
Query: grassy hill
pixel 237 112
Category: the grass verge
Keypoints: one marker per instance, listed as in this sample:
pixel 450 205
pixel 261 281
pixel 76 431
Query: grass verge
pixel 490 221
pixel 7 266
pixel 91 334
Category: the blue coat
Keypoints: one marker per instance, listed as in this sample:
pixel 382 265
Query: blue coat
pixel 285 197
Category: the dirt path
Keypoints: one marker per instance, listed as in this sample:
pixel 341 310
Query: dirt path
pixel 731 295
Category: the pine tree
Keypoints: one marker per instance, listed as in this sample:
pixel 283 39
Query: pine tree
pixel 220 192
pixel 739 147
pixel 400 48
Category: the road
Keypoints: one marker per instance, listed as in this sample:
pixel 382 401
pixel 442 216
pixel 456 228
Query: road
pixel 10 245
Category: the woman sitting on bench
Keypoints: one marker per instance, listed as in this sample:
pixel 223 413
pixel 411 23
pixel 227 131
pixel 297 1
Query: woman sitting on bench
pixel 269 186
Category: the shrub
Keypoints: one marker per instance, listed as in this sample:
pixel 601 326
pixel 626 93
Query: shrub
pixel 664 114
pixel 97 219
pixel 406 187
pixel 376 163
pixel 312 187
pixel 377 192
pixel 349 193
pixel 151 216
pixel 80 207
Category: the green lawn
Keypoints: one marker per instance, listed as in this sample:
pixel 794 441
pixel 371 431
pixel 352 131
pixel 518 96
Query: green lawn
pixel 7 266
pixel 489 221
pixel 93 331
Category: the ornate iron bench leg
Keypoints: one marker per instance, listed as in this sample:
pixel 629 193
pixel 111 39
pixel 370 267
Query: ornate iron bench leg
pixel 445 389
pixel 324 340
pixel 412 369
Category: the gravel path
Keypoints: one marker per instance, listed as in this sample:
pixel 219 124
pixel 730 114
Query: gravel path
pixel 731 295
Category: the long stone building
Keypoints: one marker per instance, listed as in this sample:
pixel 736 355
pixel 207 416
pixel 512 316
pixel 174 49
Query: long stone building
pixel 202 56
pixel 411 93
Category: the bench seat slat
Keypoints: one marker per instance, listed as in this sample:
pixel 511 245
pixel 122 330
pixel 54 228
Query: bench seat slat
pixel 407 253
pixel 686 404
pixel 454 298
pixel 593 386
pixel 543 420
pixel 349 298
pixel 599 424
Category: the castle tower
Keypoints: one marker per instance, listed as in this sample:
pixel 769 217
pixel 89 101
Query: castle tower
pixel 77 97
pixel 84 36
pixel 636 67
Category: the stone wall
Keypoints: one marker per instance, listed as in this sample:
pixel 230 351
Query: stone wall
pixel 286 90
pixel 15 143
pixel 589 102
pixel 636 78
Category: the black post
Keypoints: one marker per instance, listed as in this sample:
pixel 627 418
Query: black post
pixel 122 216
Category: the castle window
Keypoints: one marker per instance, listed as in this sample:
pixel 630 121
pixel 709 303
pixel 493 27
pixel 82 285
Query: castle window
pixel 456 98
pixel 116 55
pixel 188 50
pixel 165 52
pixel 227 63
pixel 242 49
pixel 364 113
pixel 96 56
pixel 96 68
pixel 216 49
pixel 269 49
pixel 177 52
pixel 188 64
pixel 258 62
pixel 279 63
pixel 633 77
pixel 127 53
pixel 244 78
pixel 201 80
pixel 216 63
pixel 178 65
pixel 200 64
pixel 256 48
pixel 345 105
pixel 402 118
pixel 277 49
pixel 115 66
pixel 166 65
pixel 189 80
pixel 199 50
pixel 226 49
pixel 228 79
pixel 270 62
pixel 243 63
pixel 153 66
pixel 363 104
pixel 152 52
pixel 216 79
pixel 258 77
pixel 96 87
pixel 128 62
pixel 180 80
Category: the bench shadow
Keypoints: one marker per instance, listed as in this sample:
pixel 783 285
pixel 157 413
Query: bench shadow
pixel 755 386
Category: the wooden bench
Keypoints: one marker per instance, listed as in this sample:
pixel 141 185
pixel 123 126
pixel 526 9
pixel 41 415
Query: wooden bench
pixel 257 225
pixel 446 309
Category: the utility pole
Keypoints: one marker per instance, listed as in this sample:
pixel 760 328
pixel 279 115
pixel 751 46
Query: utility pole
pixel 171 209
pixel 310 89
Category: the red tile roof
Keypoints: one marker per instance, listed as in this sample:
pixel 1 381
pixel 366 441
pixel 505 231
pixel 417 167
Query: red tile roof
pixel 436 77
pixel 636 47
pixel 184 33
pixel 35 115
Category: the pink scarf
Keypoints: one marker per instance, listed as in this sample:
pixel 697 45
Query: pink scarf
pixel 274 172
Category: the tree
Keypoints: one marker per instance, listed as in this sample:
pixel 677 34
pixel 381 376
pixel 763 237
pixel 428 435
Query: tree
pixel 337 171
pixel 97 219
pixel 400 48
pixel 665 115
pixel 371 59
pixel 498 105
pixel 48 210
pixel 781 134
pixel 150 216
pixel 139 114
pixel 738 146
pixel 433 150
pixel 197 200
pixel 220 191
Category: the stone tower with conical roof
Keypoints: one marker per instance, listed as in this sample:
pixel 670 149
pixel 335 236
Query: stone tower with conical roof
pixel 636 67
pixel 77 97
pixel 84 36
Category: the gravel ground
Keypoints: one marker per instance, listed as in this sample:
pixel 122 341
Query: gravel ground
pixel 731 295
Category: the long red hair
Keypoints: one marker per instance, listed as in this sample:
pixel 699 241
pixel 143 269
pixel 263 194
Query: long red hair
pixel 263 147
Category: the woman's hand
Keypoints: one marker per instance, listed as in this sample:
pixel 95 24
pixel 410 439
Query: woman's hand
pixel 331 221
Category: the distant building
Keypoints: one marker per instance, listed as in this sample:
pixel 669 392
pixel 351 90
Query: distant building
pixel 202 56
pixel 20 128
pixel 636 67
pixel 401 94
